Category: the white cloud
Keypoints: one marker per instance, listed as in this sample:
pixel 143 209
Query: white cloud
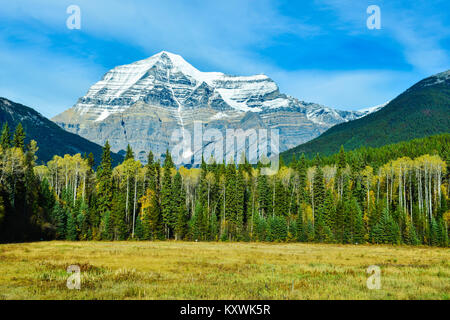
pixel 220 36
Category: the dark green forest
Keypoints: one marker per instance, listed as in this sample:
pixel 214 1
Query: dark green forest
pixel 52 139
pixel 396 194
pixel 419 112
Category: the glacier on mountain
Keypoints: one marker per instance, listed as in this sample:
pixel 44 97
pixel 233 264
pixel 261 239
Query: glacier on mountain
pixel 143 102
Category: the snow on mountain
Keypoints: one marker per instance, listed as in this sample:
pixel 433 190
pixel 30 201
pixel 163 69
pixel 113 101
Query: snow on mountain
pixel 369 110
pixel 166 92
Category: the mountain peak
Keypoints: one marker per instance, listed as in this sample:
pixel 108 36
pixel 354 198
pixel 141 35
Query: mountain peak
pixel 175 59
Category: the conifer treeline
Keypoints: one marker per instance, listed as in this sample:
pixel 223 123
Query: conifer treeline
pixel 402 201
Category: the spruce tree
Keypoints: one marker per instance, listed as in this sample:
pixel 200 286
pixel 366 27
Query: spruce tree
pixel 181 224
pixel 359 236
pixel 19 137
pixel 59 218
pixel 104 181
pixel 167 197
pixel 71 229
pixel 302 170
pixel 300 226
pixel 108 226
pixel 91 160
pixel 5 140
pixel 342 161
pixel 318 191
pixel 139 232
pixel 129 154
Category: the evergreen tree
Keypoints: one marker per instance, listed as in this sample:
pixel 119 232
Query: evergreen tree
pixel 181 224
pixel 139 231
pixel 82 221
pixel 59 218
pixel 118 216
pixel 168 209
pixel 104 183
pixel 71 231
pixel 301 236
pixel 19 137
pixel 434 233
pixel 5 140
pixel 318 191
pixel 302 169
pixel 359 236
pixel 107 229
pixel 129 154
pixel 91 160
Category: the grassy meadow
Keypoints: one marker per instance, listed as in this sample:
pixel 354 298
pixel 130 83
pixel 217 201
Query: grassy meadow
pixel 190 270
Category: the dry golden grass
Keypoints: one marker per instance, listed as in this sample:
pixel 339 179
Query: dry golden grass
pixel 183 270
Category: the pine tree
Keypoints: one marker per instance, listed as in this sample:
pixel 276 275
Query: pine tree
pixel 91 160
pixel 260 228
pixel 129 154
pixel 434 233
pixel 263 196
pixel 167 197
pixel 386 230
pixel 5 140
pixel 342 161
pixel 71 229
pixel 139 230
pixel 349 221
pixel 107 229
pixel 412 238
pixel 277 228
pixel 318 191
pixel 241 196
pixel 195 228
pixel 181 224
pixel 19 137
pixel 359 236
pixel 443 234
pixel 329 211
pixel 104 181
pixel 300 226
pixel 59 219
pixel 118 219
pixel 2 211
pixel 302 169
pixel 82 221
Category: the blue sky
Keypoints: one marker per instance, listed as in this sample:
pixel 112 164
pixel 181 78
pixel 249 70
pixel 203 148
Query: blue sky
pixel 318 51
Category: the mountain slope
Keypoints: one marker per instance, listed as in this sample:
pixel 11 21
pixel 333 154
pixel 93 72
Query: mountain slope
pixel 51 139
pixel 420 111
pixel 143 103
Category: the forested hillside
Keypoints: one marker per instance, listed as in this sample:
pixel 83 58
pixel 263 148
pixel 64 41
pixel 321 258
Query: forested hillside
pixel 404 200
pixel 376 157
pixel 421 111
pixel 51 138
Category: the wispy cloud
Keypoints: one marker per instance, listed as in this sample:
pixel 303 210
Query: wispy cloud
pixel 319 51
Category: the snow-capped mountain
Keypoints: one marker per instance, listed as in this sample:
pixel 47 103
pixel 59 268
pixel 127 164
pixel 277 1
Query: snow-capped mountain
pixel 373 109
pixel 144 102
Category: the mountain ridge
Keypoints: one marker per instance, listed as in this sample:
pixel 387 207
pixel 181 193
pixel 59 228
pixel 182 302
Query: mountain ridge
pixel 51 139
pixel 421 110
pixel 176 94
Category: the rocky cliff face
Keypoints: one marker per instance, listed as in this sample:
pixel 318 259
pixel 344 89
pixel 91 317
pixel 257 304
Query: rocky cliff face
pixel 143 103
